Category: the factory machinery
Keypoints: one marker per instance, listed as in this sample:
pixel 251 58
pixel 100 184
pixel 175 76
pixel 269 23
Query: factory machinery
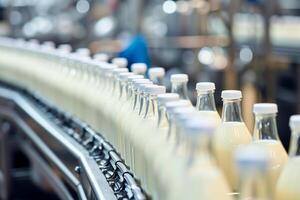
pixel 67 156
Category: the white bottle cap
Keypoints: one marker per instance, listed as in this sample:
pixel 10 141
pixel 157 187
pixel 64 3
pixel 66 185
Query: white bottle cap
pixel 33 44
pixel 83 52
pixel 155 89
pixel 170 106
pixel 124 75
pixel 231 94
pixel 141 80
pixel 179 78
pixel 107 67
pixel 168 97
pixel 117 71
pixel 183 110
pixel 156 72
pixel 265 108
pixel 65 48
pixel 49 44
pixel 137 82
pixel 138 68
pixel 142 86
pixel 102 57
pixel 251 156
pixel 120 62
pixel 295 121
pixel 205 86
pixel 199 126
pixel 133 77
pixel 183 117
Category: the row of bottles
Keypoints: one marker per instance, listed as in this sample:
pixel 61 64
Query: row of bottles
pixel 176 150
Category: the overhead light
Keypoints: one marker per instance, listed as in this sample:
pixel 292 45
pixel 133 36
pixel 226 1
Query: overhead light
pixel 169 7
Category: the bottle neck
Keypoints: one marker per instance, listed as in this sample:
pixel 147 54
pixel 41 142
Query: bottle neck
pixel 198 149
pixel 151 111
pixel 206 101
pixel 162 117
pixel 254 184
pixel 123 94
pixel 232 111
pixel 295 143
pixel 181 89
pixel 265 127
pixel 142 103
pixel 135 99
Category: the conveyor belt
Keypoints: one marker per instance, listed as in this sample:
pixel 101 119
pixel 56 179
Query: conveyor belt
pixel 72 153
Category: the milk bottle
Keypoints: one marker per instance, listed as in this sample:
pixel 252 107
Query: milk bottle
pixel 252 165
pixel 206 101
pixel 288 185
pixel 203 178
pixel 265 135
pixel 231 133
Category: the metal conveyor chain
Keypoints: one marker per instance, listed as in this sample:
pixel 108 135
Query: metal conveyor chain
pixel 117 174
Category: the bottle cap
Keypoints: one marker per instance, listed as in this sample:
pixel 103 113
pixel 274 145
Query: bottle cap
pixel 120 62
pixel 138 68
pixel 156 72
pixel 117 71
pixel 142 86
pixel 179 78
pixel 65 48
pixel 183 117
pixel 102 57
pixel 33 44
pixel 107 67
pixel 155 89
pixel 199 126
pixel 137 82
pixel 49 44
pixel 251 156
pixel 295 121
pixel 265 108
pixel 124 75
pixel 183 111
pixel 231 94
pixel 83 52
pixel 167 97
pixel 133 77
pixel 205 86
pixel 170 106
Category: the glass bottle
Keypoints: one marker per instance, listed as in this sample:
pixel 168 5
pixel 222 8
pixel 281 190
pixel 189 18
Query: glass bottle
pixel 179 85
pixel 206 101
pixel 288 186
pixel 252 165
pixel 162 99
pixel 266 135
pixel 231 133
pixel 202 175
pixel 156 74
pixel 145 139
pixel 170 107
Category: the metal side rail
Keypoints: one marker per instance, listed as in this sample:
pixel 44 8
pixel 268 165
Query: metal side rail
pixel 72 153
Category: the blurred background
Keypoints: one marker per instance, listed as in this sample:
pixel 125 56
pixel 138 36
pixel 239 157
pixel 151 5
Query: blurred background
pixel 252 45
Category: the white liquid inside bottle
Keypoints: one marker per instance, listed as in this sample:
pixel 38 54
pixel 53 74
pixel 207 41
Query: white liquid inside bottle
pixel 231 133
